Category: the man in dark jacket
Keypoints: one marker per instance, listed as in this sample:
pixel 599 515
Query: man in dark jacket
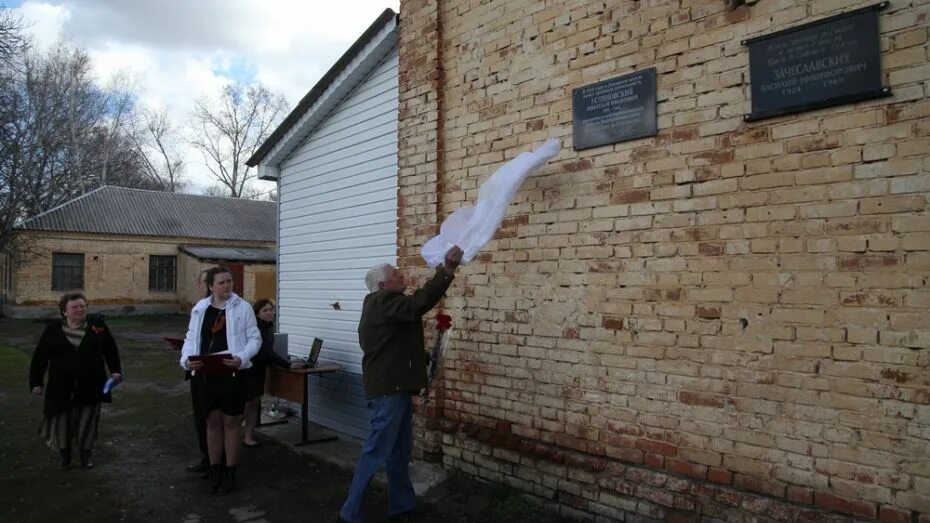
pixel 390 333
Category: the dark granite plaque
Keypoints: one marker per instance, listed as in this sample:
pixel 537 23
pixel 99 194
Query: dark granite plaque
pixel 615 110
pixel 829 62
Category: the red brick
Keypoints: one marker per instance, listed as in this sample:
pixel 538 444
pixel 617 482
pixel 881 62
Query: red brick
pixel 662 294
pixel 710 249
pixel 579 165
pixel 718 475
pixel 627 455
pixel 713 157
pixel 653 460
pixel 889 514
pixel 694 470
pixel 637 196
pixel 860 262
pixel 584 462
pixel 764 485
pixel 612 323
pixel 676 135
pixel 846 506
pixel 800 494
pixel 701 398
pixel 618 440
pixel 523 219
pixel 659 447
pixel 571 442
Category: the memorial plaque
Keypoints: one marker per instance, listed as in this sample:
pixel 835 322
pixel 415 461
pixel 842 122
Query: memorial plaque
pixel 829 62
pixel 615 110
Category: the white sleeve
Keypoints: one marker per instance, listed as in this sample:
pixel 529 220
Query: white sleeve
pixel 252 337
pixel 190 340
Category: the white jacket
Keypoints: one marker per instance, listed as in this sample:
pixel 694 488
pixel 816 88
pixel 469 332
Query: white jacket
pixel 242 335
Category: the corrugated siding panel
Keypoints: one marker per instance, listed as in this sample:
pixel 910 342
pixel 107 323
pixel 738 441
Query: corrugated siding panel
pixel 338 212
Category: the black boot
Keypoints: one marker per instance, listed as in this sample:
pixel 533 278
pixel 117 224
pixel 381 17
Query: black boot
pixel 64 460
pixel 86 461
pixel 229 479
pixel 215 477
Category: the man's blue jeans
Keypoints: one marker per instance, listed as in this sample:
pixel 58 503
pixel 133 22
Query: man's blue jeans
pixel 390 443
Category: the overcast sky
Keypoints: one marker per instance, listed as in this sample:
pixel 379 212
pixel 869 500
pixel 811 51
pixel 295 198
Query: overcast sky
pixel 179 50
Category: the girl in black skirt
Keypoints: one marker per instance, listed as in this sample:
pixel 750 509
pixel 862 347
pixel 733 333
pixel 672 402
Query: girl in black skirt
pixel 221 323
pixel 255 377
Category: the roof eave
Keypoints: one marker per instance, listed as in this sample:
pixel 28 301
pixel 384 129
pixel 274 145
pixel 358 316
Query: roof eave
pixel 269 173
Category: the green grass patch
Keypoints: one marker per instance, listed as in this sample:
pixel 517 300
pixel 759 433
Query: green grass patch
pixel 14 367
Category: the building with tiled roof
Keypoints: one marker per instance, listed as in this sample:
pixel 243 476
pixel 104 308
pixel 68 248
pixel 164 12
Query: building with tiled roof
pixel 133 251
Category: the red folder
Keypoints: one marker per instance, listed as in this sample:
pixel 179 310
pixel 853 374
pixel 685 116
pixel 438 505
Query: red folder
pixel 213 364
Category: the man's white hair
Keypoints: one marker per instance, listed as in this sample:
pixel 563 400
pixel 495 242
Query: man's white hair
pixel 377 274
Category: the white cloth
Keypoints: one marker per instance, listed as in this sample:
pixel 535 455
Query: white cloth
pixel 471 228
pixel 242 336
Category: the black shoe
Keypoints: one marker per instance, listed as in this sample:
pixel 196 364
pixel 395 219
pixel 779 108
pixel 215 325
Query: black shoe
pixel 201 467
pixel 216 477
pixel 86 461
pixel 64 459
pixel 229 479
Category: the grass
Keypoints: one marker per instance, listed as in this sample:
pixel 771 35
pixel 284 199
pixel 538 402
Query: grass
pixel 13 362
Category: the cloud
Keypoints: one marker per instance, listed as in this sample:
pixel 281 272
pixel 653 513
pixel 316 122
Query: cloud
pixel 182 50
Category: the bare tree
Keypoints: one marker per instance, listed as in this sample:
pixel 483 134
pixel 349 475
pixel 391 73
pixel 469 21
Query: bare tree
pixel 61 134
pixel 158 141
pixel 216 190
pixel 12 44
pixel 12 39
pixel 119 101
pixel 230 130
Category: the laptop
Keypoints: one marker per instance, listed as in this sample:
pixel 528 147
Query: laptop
pixel 314 356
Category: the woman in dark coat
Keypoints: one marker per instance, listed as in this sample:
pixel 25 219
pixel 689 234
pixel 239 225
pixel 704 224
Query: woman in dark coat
pixel 76 351
pixel 255 377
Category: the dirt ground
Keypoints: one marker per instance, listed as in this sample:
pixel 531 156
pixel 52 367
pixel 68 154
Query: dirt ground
pixel 146 439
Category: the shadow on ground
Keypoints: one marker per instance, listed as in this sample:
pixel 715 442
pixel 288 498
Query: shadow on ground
pixel 146 439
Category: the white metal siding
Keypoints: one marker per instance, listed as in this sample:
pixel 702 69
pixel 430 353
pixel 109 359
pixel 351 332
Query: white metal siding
pixel 338 218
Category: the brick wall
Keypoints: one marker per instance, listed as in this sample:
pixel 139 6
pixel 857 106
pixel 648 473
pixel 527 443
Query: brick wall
pixel 727 320
pixel 259 282
pixel 116 269
pixel 189 269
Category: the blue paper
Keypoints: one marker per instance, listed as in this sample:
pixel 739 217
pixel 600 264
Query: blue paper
pixel 110 384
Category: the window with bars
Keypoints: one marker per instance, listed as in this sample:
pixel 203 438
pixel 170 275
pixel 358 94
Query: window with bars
pixel 67 271
pixel 163 273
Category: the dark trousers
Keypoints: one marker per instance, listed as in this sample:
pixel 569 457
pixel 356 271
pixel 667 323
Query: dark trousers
pixel 200 414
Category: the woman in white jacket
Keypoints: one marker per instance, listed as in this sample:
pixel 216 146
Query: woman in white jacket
pixel 221 323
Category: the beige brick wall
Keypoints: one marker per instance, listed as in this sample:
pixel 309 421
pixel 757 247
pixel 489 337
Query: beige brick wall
pixel 250 278
pixel 116 269
pixel 728 319
pixel 189 269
